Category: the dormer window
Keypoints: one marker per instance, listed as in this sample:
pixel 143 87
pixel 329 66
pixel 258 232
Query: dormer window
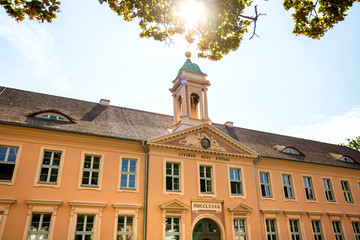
pixel 291 151
pixel 347 159
pixel 52 116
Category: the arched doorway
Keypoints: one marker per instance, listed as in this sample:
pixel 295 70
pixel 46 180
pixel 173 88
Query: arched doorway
pixel 206 229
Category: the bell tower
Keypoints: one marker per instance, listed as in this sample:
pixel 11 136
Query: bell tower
pixel 189 93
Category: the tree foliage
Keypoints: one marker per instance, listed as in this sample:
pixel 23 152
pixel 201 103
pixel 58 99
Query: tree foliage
pixel 216 35
pixel 41 11
pixel 352 143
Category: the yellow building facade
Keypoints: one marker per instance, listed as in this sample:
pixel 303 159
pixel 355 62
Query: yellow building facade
pixel 71 169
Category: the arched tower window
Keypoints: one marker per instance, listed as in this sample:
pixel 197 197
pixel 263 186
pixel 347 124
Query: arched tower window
pixel 179 108
pixel 195 105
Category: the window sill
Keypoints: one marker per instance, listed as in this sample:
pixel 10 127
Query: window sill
pixel 89 188
pixel 268 198
pixel 290 199
pixel 232 196
pixel 128 190
pixel 49 185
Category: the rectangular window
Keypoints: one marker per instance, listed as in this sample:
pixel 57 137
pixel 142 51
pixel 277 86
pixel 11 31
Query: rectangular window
pixel 316 227
pixel 206 179
pixel 125 227
pixel 265 184
pixel 328 190
pixel 240 229
pixel 295 229
pixel 287 185
pixel 346 190
pixel 172 228
pixel 7 162
pixel 39 226
pixel 172 176
pixel 271 229
pixel 337 230
pixel 50 167
pixel 235 181
pixel 128 174
pixel 84 227
pixel 91 171
pixel 356 228
pixel 309 191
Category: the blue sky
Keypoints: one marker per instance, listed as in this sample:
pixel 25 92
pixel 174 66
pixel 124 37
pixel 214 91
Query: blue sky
pixel 277 83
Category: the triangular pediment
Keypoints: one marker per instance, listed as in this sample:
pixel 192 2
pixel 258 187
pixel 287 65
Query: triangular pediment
pixel 202 138
pixel 239 207
pixel 174 205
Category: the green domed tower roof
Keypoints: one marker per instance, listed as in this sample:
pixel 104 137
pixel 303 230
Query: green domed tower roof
pixel 190 67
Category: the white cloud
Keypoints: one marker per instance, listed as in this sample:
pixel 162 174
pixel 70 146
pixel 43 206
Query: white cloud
pixel 36 46
pixel 331 129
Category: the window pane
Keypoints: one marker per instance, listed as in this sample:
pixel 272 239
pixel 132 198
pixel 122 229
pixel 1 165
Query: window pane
pixel 124 165
pixel 6 171
pixel 169 183
pixel 132 166
pixel 96 164
pixel 176 169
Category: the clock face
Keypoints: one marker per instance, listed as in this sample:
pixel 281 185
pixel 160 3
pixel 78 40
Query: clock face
pixel 205 143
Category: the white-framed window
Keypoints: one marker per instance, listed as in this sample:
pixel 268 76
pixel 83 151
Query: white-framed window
pixel 128 174
pixel 265 184
pixel 172 228
pixel 52 116
pixel 346 190
pixel 85 220
pixel 346 159
pixel 295 229
pixel 172 176
pixel 84 227
pixel 126 217
pixel 271 229
pixel 316 227
pixel 287 185
pixel 240 228
pixel 40 220
pixel 125 228
pixel 337 230
pixel 235 181
pixel 291 151
pixel 356 228
pixel 8 155
pixel 328 190
pixel 91 171
pixel 50 167
pixel 206 179
pixel 309 190
pixel 39 226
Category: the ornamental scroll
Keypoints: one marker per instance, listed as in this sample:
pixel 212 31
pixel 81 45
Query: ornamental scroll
pixel 194 140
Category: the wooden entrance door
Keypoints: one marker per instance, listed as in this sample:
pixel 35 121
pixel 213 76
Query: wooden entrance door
pixel 206 229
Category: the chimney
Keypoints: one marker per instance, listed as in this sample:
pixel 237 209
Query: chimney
pixel 229 124
pixel 104 102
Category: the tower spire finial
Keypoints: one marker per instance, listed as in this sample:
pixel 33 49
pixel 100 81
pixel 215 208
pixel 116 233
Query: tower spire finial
pixel 188 54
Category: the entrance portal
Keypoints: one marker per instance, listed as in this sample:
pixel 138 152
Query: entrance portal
pixel 206 229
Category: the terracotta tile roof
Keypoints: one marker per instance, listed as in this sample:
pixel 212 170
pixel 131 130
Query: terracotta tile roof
pixel 271 145
pixel 18 107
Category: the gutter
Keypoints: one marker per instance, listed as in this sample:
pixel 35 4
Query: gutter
pixel 257 196
pixel 146 188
